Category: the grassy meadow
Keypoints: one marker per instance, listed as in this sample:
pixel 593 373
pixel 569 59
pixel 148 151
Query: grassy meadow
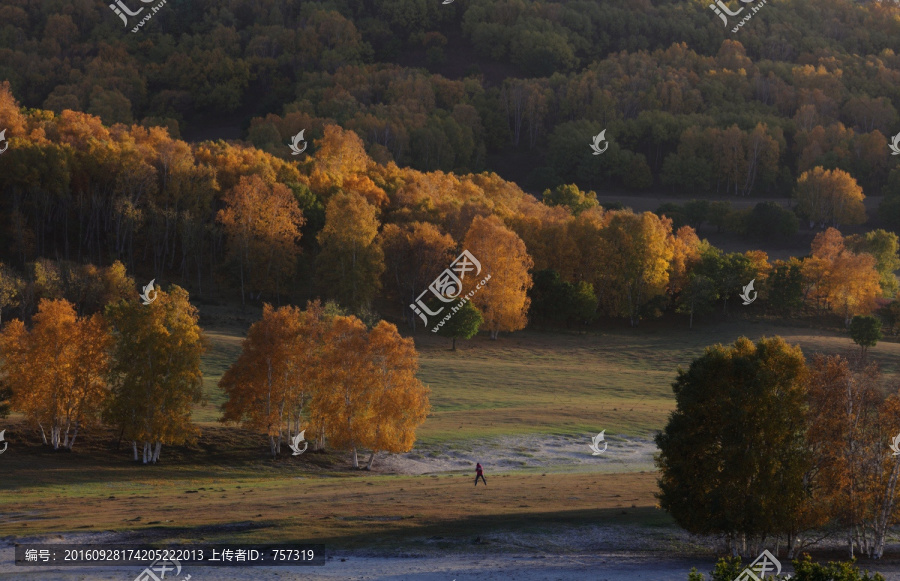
pixel 224 487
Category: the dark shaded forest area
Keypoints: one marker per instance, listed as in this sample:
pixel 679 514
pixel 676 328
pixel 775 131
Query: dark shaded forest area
pixel 687 104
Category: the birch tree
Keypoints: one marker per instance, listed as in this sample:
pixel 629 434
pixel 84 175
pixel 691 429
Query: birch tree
pixel 156 375
pixel 57 370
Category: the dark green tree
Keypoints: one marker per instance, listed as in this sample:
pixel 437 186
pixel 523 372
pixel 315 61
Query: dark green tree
pixel 696 212
pixel 553 299
pixel 697 297
pixel 768 220
pixel 733 454
pixel 5 397
pixel 464 323
pixel 865 330
pixel 785 288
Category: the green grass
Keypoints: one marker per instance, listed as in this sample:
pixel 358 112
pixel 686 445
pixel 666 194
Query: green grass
pixel 553 383
pixel 530 382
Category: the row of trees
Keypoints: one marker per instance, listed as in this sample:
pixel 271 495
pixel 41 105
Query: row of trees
pixel 341 226
pixel 325 373
pixel 764 446
pixel 136 367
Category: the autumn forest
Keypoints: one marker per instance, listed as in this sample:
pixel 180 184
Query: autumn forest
pixel 432 129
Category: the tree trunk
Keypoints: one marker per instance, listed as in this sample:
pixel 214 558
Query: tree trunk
pixel 43 434
pixel 886 510
pixel 75 435
pixel 272 447
pixel 371 460
pixel 454 344
pixel 355 458
pixel 156 452
pixel 134 446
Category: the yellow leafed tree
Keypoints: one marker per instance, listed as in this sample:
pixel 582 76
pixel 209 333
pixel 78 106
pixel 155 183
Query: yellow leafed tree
pixel 399 400
pixel 830 197
pixel 57 371
pixel 838 279
pixel 635 254
pixel 351 262
pixel 156 373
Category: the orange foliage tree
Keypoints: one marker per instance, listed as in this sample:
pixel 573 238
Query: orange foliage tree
pixel 263 226
pixel 855 482
pixel 272 380
pixel 503 300
pixel 328 374
pixel 57 371
pixel 838 279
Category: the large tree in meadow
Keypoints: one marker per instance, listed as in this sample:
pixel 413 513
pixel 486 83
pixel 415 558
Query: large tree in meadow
pixel 156 376
pixel 503 300
pixel 57 370
pixel 732 456
pixel 274 377
pixel 351 262
pixel 345 402
pixel 399 399
pixel 263 224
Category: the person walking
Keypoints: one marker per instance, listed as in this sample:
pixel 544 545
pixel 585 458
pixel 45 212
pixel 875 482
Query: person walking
pixel 479 473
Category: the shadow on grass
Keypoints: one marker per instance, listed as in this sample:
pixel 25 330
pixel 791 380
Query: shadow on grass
pixel 404 532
